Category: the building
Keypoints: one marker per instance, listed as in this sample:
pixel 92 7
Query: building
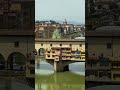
pixel 103 55
pixel 44 31
pixel 42 45
pixel 16 36
pixel 67 28
pixel 60 52
pixel 64 53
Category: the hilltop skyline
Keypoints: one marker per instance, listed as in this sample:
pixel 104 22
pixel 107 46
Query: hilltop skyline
pixel 59 10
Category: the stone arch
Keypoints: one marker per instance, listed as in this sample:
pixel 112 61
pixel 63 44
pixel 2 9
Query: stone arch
pixel 41 52
pixel 16 61
pixel 2 62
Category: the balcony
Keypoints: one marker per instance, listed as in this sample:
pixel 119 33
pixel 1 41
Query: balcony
pixel 56 58
pixel 104 67
pixel 63 54
pixel 66 50
pixel 104 79
pixel 72 58
pixel 93 58
pixel 68 58
pixel 49 57
pixel 115 59
pixel 82 57
pixel 117 79
pixel 73 54
pixel 57 52
pixel 93 67
pixel 116 67
pixel 91 78
pixel 63 58
pixel 47 53
pixel 68 54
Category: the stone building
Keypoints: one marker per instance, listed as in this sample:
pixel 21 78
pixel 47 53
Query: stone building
pixel 103 55
pixel 17 36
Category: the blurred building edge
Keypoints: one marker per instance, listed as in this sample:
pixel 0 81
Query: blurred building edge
pixel 17 31
pixel 103 55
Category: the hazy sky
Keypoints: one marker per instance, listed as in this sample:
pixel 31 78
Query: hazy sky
pixel 72 10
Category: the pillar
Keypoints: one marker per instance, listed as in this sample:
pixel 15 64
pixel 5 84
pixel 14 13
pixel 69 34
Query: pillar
pixel 66 68
pixel 59 66
pixel 6 65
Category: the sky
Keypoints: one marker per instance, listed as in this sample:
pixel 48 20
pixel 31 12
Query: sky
pixel 71 10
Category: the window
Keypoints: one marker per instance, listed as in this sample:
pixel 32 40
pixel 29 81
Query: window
pixel 51 45
pixel 80 45
pixel 16 43
pixel 109 45
pixel 60 44
pixel 41 44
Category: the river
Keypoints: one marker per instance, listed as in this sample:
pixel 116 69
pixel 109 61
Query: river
pixel 46 79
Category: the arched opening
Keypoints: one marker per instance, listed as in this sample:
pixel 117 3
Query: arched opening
pixel 2 62
pixel 41 52
pixel 77 67
pixel 44 68
pixel 16 61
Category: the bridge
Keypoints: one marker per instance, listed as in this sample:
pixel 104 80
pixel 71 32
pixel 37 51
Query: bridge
pixel 61 52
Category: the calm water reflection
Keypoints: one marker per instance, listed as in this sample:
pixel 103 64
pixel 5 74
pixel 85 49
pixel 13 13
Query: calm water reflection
pixel 46 79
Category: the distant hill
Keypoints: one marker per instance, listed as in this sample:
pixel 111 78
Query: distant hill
pixel 69 22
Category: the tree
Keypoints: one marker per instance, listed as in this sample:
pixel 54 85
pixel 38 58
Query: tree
pixel 56 34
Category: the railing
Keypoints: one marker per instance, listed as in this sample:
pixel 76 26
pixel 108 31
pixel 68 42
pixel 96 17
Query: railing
pixel 63 58
pixel 93 67
pixel 66 50
pixel 115 59
pixel 116 79
pixel 91 78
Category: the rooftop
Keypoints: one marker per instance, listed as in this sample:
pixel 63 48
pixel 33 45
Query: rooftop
pixel 105 31
pixel 59 40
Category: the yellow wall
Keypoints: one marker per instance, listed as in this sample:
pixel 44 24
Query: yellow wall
pixel 7 45
pixel 99 45
pixel 75 45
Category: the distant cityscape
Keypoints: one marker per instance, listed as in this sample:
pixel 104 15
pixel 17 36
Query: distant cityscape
pixel 55 30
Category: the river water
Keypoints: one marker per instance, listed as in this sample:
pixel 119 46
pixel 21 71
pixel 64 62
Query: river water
pixel 46 79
